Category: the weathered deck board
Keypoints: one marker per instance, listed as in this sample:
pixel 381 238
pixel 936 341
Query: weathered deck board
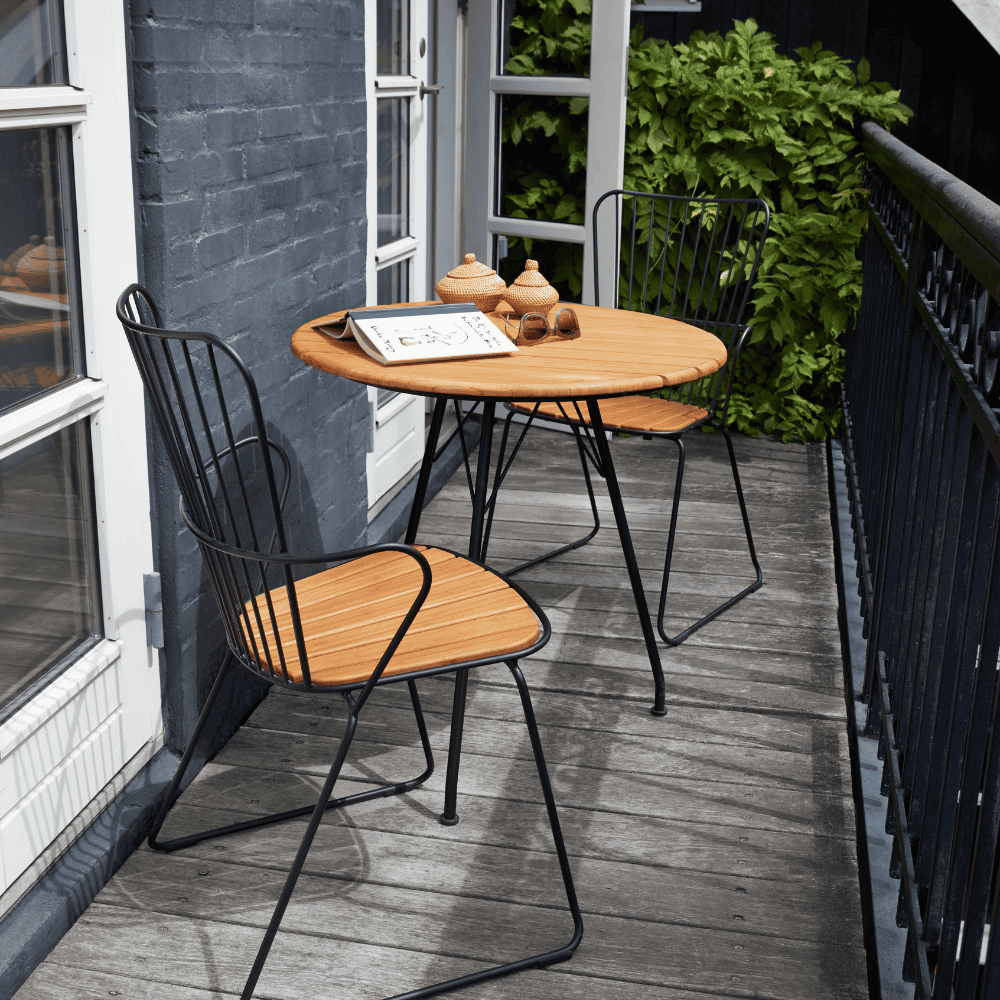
pixel 713 849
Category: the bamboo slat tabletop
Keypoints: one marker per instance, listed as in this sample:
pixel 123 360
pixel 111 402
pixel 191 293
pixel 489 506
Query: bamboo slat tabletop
pixel 618 353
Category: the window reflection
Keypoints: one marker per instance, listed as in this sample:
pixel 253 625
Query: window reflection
pixel 393 156
pixel 40 342
pixel 32 50
pixel 49 603
pixel 393 22
pixel 394 283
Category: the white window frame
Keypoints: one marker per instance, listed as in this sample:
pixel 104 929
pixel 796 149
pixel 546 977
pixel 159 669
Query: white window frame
pixel 66 751
pixel 396 429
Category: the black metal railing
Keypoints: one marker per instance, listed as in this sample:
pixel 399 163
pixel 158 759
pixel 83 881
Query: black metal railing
pixel 922 449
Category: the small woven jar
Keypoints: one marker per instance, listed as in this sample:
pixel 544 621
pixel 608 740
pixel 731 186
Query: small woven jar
pixel 15 258
pixel 530 292
pixel 43 268
pixel 472 282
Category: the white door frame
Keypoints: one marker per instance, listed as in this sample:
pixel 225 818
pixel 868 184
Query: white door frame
pixel 396 429
pixel 63 754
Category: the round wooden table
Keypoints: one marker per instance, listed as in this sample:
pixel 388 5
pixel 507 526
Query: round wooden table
pixel 619 353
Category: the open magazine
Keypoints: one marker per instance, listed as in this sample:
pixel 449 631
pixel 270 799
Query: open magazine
pixel 410 334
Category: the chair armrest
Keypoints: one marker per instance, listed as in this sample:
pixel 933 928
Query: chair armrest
pixel 288 560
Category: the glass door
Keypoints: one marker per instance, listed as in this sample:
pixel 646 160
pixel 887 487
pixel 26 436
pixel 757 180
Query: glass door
pixel 397 58
pixel 500 86
pixel 79 687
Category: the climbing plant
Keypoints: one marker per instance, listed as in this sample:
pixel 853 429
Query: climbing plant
pixel 725 115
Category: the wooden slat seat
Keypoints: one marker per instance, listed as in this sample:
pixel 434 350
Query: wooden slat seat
pixel 350 613
pixel 627 413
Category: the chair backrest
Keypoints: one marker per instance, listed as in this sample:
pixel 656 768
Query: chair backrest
pixel 692 259
pixel 198 389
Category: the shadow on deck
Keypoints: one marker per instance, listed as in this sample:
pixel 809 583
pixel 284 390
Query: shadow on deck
pixel 713 850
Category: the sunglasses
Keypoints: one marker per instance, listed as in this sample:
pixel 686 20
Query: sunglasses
pixel 534 328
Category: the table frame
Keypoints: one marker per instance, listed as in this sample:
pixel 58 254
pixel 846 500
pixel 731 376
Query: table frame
pixel 482 499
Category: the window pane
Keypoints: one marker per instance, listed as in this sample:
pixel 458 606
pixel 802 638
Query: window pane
pixel 394 283
pixel 40 337
pixel 32 50
pixel 560 263
pixel 393 169
pixel 393 21
pixel 549 39
pixel 49 603
pixel 543 157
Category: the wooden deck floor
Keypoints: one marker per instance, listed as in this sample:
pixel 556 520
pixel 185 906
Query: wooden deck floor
pixel 713 850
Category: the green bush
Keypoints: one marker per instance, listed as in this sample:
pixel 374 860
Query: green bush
pixel 730 116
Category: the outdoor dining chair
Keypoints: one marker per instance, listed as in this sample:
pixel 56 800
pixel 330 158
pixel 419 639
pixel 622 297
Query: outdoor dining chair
pixel 693 260
pixel 377 615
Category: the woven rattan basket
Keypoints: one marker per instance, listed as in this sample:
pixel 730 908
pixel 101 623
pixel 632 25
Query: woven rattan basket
pixel 472 282
pixel 530 292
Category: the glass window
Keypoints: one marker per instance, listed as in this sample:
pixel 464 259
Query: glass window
pixel 393 169
pixel 543 157
pixel 393 21
pixel 40 336
pixel 543 40
pixel 394 283
pixel 32 50
pixel 49 599
pixel 561 263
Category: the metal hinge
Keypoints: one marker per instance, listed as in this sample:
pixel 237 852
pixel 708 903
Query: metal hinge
pixel 371 425
pixel 154 609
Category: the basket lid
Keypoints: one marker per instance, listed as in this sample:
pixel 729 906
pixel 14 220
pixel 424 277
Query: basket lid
pixel 531 277
pixel 471 269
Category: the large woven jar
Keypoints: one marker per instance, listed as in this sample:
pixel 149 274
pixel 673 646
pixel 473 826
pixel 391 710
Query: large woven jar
pixel 43 268
pixel 472 282
pixel 530 292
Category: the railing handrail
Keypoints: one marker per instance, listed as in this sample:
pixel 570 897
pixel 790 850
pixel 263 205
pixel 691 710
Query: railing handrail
pixel 965 219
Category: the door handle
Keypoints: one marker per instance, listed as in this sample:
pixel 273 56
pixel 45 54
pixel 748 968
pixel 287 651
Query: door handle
pixel 434 88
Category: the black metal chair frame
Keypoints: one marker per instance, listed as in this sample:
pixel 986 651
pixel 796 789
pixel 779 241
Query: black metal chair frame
pixel 703 392
pixel 231 565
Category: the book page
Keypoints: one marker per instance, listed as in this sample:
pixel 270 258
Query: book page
pixel 434 336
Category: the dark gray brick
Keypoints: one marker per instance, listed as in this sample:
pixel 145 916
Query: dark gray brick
pixel 276 122
pixel 230 127
pixel 269 158
pixel 217 248
pixel 269 232
pixel 280 193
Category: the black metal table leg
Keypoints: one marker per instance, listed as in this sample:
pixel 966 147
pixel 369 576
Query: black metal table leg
pixel 600 438
pixel 450 816
pixel 430 447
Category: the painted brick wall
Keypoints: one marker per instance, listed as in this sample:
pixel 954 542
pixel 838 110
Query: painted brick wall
pixel 250 140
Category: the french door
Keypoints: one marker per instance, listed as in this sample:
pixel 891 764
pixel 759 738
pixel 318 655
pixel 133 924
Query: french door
pixel 79 687
pixel 396 39
pixel 492 92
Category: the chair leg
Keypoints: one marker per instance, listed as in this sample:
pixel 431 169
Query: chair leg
pixel 549 957
pixel 593 508
pixel 383 791
pixel 300 858
pixel 756 585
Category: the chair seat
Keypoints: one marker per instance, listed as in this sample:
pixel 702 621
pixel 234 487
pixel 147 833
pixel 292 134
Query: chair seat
pixel 642 414
pixel 350 613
